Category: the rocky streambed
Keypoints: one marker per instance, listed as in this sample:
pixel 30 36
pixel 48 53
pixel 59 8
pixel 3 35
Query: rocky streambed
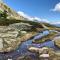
pixel 45 53
pixel 42 51
pixel 15 49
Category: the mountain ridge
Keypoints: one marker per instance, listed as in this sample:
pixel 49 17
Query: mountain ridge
pixel 11 13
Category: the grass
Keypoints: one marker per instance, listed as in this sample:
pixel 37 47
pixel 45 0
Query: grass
pixel 11 21
pixel 36 26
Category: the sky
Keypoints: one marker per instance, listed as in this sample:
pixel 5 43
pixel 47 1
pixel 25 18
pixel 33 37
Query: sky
pixel 47 10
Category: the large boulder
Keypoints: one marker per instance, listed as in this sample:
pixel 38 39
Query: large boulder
pixel 57 43
pixel 21 26
pixel 10 44
pixel 9 39
pixel 46 53
pixel 13 35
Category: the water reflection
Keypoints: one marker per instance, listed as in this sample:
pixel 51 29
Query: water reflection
pixel 23 48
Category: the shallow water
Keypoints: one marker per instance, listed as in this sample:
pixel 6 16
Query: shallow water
pixel 23 48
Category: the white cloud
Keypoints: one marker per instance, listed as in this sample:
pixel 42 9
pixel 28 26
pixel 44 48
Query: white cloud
pixel 45 20
pixel 40 20
pixel 24 15
pixel 56 22
pixel 57 7
pixel 36 18
pixel 32 18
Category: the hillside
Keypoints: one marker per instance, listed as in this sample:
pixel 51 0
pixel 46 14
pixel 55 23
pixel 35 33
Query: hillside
pixel 11 13
pixel 14 17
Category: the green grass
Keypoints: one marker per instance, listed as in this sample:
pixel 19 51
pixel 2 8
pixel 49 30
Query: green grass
pixel 11 21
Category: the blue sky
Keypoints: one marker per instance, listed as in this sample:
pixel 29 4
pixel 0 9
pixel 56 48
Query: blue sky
pixel 44 9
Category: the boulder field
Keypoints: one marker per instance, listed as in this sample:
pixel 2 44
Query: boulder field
pixel 13 35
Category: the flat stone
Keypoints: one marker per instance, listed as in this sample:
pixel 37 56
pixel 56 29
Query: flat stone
pixel 44 55
pixel 33 49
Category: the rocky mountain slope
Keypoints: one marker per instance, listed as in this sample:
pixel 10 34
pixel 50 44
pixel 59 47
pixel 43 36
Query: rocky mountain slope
pixel 11 13
pixel 15 28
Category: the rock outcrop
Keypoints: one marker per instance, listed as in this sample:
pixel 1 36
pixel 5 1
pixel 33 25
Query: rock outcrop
pixel 21 26
pixel 13 35
pixel 11 13
pixel 45 53
pixel 8 39
pixel 57 43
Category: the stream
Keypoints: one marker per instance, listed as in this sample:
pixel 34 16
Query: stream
pixel 23 48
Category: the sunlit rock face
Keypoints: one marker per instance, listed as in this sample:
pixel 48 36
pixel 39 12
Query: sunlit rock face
pixel 21 26
pixel 12 36
pixel 8 39
pixel 57 43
